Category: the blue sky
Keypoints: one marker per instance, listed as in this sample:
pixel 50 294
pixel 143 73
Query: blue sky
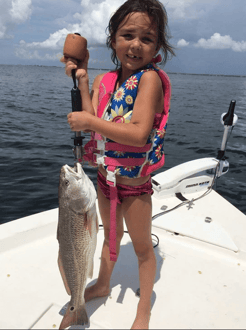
pixel 209 35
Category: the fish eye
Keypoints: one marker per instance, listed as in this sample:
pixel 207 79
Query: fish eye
pixel 67 183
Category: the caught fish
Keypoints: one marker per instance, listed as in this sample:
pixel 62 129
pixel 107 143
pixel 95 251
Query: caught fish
pixel 77 237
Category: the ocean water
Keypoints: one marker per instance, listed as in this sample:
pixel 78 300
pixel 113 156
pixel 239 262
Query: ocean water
pixel 35 139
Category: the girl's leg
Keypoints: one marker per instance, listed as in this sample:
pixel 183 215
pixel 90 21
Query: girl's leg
pixel 102 286
pixel 137 212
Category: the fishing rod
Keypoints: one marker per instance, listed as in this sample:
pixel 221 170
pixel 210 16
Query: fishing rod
pixel 75 47
pixel 76 106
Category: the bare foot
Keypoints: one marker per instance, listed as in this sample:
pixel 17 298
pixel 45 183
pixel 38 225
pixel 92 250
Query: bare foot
pixel 95 291
pixel 141 323
pixel 142 320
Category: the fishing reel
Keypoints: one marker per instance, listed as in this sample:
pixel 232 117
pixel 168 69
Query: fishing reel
pixel 75 47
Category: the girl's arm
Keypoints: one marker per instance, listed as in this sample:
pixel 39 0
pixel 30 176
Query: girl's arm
pixel 149 101
pixel 95 92
pixel 89 100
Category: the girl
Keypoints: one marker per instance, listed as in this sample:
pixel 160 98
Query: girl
pixel 127 112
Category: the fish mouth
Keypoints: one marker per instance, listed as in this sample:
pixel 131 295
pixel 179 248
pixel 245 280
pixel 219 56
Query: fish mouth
pixel 76 170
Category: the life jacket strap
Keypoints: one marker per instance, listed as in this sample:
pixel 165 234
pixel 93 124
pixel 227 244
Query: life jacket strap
pixel 111 181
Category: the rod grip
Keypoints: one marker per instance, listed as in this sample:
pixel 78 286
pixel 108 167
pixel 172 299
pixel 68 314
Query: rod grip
pixel 76 100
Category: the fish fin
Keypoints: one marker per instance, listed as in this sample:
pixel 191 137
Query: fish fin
pixel 90 274
pixel 60 265
pixel 91 219
pixel 74 317
pixel 87 222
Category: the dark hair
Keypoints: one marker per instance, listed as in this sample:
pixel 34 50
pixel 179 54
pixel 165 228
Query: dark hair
pixel 156 11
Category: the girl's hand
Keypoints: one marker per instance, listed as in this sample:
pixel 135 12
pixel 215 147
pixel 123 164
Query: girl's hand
pixel 79 121
pixel 80 67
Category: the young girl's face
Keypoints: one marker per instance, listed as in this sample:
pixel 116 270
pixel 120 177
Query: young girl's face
pixel 135 42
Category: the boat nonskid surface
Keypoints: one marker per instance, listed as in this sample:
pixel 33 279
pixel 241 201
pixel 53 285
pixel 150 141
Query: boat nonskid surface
pixel 210 219
pixel 202 283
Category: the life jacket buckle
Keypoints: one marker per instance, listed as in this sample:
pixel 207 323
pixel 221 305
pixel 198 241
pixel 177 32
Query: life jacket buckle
pixel 100 145
pixel 111 178
pixel 100 158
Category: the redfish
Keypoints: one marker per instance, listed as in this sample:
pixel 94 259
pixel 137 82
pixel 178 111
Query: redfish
pixel 77 237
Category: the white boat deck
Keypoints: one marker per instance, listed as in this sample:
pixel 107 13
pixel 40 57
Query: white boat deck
pixel 200 281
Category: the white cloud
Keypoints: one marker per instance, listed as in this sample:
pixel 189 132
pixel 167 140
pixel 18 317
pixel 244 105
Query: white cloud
pixel 178 7
pixel 92 19
pixel 24 53
pixel 27 51
pixel 13 12
pixel 55 41
pixel 91 23
pixel 221 42
pixel 187 9
pixel 182 43
pixel 21 10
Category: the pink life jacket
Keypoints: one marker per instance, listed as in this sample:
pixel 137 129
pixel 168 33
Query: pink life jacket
pixel 97 147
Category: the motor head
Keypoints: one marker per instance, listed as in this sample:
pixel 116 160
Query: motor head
pixel 229 118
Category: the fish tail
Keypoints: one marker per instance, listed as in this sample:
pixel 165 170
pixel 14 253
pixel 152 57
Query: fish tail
pixel 74 317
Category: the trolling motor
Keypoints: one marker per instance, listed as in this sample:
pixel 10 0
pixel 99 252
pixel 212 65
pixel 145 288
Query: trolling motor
pixel 75 47
pixel 197 175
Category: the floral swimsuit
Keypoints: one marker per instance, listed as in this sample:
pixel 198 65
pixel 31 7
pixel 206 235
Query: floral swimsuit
pixel 120 111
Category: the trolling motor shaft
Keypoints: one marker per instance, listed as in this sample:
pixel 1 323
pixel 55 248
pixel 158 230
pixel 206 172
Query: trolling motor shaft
pixel 228 119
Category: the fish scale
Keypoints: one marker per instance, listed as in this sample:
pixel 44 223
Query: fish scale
pixel 77 236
